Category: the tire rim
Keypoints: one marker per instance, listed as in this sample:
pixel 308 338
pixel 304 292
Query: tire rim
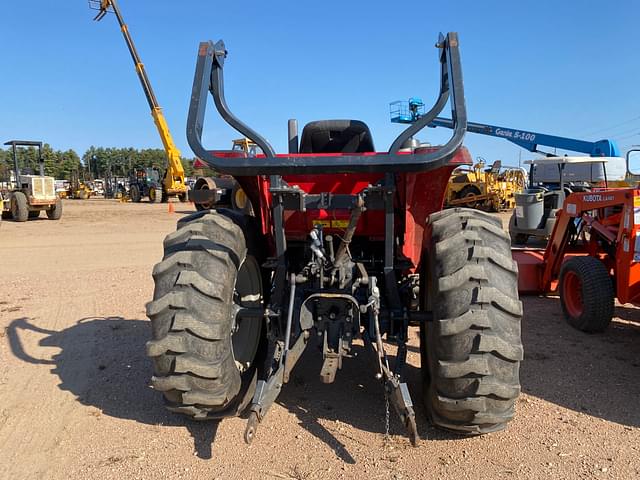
pixel 572 294
pixel 245 333
pixel 241 199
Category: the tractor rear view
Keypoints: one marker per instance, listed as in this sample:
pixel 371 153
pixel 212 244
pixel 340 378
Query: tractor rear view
pixel 346 248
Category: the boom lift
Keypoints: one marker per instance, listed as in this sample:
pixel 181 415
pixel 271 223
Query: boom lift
pixel 413 110
pixel 173 183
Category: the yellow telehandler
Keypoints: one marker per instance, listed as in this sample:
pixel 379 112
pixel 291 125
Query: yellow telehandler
pixel 173 182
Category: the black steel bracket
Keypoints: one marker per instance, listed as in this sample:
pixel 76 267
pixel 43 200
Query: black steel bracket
pixel 208 78
pixel 294 198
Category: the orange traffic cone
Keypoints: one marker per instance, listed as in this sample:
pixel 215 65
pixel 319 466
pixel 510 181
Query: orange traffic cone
pixel 171 208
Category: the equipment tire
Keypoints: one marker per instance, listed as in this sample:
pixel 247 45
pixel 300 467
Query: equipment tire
pixel 586 294
pixel 55 212
pixel 134 193
pixel 205 356
pixel 468 191
pixel 19 207
pixel 155 195
pixel 240 201
pixel 471 349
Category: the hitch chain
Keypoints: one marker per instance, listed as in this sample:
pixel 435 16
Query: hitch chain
pixel 386 416
pixel 395 391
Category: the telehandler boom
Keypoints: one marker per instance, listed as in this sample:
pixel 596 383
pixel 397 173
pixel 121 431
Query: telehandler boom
pixel 173 183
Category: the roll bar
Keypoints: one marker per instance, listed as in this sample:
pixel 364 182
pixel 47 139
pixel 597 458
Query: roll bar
pixel 25 143
pixel 209 79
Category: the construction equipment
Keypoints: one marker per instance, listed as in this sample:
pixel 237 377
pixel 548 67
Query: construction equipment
pixel 145 182
pixel 26 194
pixel 414 109
pixel 537 207
pixel 78 189
pixel 592 257
pixel 173 180
pixel 492 188
pixel 344 243
pixel 224 191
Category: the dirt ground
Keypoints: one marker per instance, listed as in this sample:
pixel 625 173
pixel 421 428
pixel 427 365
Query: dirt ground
pixel 75 400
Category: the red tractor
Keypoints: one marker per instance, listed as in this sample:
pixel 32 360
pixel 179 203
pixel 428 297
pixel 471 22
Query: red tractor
pixel 345 245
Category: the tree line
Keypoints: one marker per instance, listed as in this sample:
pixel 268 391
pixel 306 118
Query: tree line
pixel 96 162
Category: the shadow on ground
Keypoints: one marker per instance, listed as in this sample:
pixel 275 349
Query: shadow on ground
pixel 102 362
pixel 597 374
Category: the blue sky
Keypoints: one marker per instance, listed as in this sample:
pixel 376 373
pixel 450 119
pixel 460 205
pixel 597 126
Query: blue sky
pixel 568 68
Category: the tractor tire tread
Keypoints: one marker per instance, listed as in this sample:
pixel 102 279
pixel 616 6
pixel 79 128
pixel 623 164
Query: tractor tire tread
pixel 55 213
pixel 597 293
pixel 473 345
pixel 191 349
pixel 21 211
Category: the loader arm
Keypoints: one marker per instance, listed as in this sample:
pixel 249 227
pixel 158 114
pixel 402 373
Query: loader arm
pixel 604 233
pixel 173 182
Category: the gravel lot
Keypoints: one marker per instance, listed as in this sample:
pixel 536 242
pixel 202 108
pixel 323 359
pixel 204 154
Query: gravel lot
pixel 75 400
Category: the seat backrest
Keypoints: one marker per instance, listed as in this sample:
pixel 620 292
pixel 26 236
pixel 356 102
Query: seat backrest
pixel 336 136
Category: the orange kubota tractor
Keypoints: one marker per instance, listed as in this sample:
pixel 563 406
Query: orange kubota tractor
pixel 592 258
pixel 345 243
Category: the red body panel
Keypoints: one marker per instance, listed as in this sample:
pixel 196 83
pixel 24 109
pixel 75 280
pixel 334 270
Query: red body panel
pixel 417 195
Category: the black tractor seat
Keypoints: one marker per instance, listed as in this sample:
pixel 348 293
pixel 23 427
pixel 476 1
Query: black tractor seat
pixel 336 136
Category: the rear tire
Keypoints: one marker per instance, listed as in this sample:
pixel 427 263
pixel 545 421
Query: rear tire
pixel 55 212
pixel 155 195
pixel 471 349
pixel 470 191
pixel 134 193
pixel 19 207
pixel 586 294
pixel 204 355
